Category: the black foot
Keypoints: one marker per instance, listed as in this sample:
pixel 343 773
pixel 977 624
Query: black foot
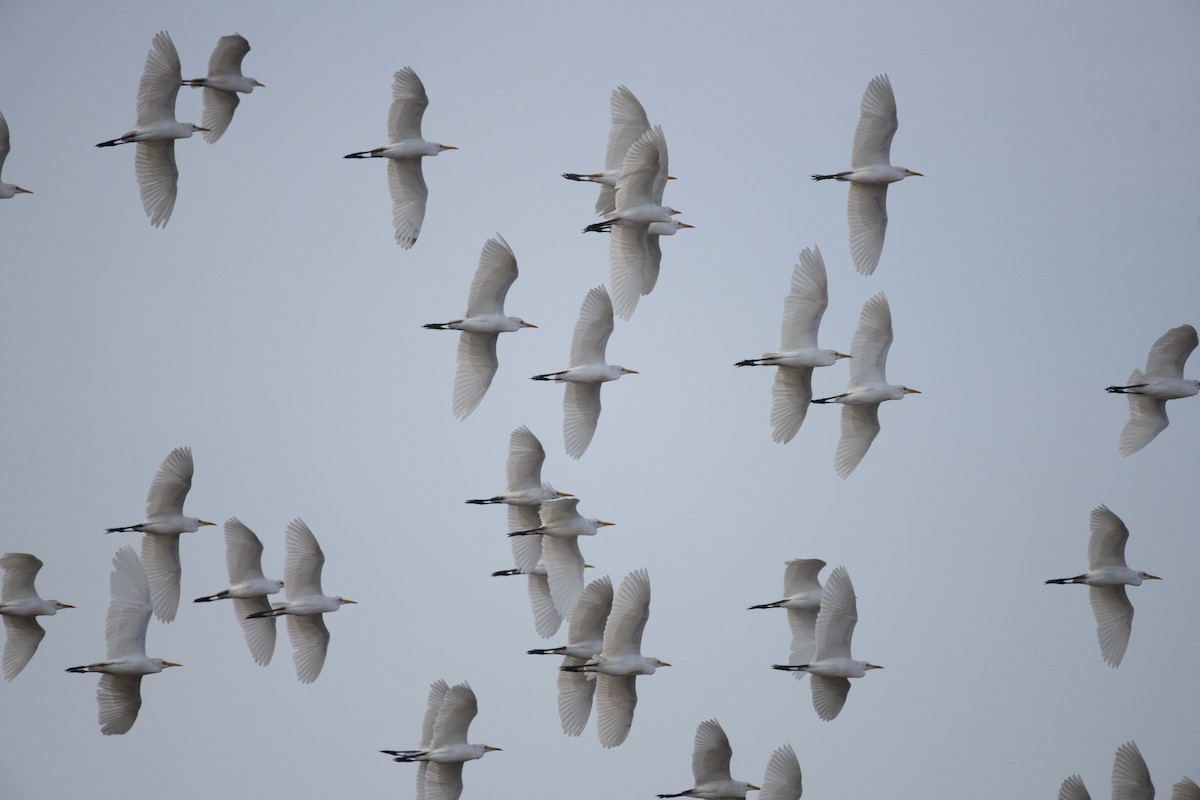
pixel 824 400
pixel 550 651
pixel 210 598
pixel 764 605
pixel 749 362
pixel 483 502
pixel 598 227
pixel 505 573
pixel 789 667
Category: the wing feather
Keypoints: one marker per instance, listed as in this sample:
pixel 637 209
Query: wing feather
pixel 806 301
pixel 860 426
pixel 310 644
pixel 1147 418
pixel 1073 789
pixel 454 718
pixel 259 632
pixel 564 568
pixel 160 558
pixel 1114 621
pixel 158 179
pixel 406 183
pixel 171 484
pixel 791 395
pixel 867 212
pixel 575 693
pixel 628 252
pixel 477 366
pixel 20 570
pixel 593 328
pixel 837 618
pixel 161 79
pixel 1170 353
pixel 872 340
pixel 630 611
pixel 493 277
pixel 409 102
pixel 877 125
pixel 304 561
pixel 24 636
pixel 129 610
pixel 525 458
pixel 219 106
pixel 1106 546
pixel 829 695
pixel 120 699
pixel 546 619
pixel 581 413
pixel 711 754
pixel 1130 777
pixel 783 780
pixel 616 699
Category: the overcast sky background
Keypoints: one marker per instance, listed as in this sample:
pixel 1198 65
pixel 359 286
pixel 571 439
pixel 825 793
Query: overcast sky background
pixel 274 327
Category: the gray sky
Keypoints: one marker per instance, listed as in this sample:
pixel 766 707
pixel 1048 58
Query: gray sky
pixel 274 326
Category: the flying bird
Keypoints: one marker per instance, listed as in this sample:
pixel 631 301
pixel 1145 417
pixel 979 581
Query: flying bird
pixel 1107 577
pixel 21 605
pixel 164 522
pixel 7 190
pixel 120 691
pixel 783 780
pixel 585 641
pixel 444 748
pixel 868 385
pixel 482 325
pixel 306 604
pixel 560 529
pixel 587 371
pixel 833 667
pixel 637 222
pixel 404 152
pixel 525 491
pixel 1149 391
pixel 224 81
pixel 710 767
pixel 870 173
pixel 157 130
pixel 629 121
pixel 249 589
pixel 798 353
pixel 1130 779
pixel 802 599
pixel 620 661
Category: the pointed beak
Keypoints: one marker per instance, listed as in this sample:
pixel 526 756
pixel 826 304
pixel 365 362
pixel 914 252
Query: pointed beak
pixel 528 325
pixel 263 85
pixel 629 371
pixel 754 788
pixel 663 664
pixel 344 601
pixel 489 749
pixel 918 174
pixel 685 225
pixel 564 494
pixel 601 523
pixel 911 391
pixel 65 605
pixel 206 130
pixel 204 522
pixel 873 666
pixel 1150 577
pixel 23 191
pixel 843 355
pixel 446 147
pixel 171 664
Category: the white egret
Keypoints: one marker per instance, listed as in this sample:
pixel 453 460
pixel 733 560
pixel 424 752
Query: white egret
pixel 832 667
pixel 1185 789
pixel 157 130
pixel 1149 391
pixel 444 746
pixel 120 691
pixel 224 81
pixel 1130 778
pixel 21 605
pixel 868 385
pixel 710 767
pixel 560 529
pixel 404 152
pixel 620 661
pixel 249 589
pixel 798 352
pixel 629 121
pixel 802 599
pixel 482 325
pixel 307 603
pixel 7 190
pixel 546 619
pixel 1107 577
pixel 585 641
pixel 870 173
pixel 587 370
pixel 635 259
pixel 783 780
pixel 524 494
pixel 164 522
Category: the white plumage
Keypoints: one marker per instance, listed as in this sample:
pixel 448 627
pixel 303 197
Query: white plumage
pixel 1107 577
pixel 21 605
pixel 802 599
pixel 249 589
pixel 307 603
pixel 223 83
pixel 629 121
pixel 710 767
pixel 7 190
pixel 444 747
pixel 868 385
pixel 560 527
pixel 1130 779
pixel 1149 391
pixel 798 351
pixel 120 690
pixel 870 173
pixel 482 325
pixel 587 371
pixel 404 152
pixel 157 130
pixel 164 522
pixel 783 780
pixel 833 666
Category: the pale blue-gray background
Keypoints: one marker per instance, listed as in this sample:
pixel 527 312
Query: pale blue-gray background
pixel 274 327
